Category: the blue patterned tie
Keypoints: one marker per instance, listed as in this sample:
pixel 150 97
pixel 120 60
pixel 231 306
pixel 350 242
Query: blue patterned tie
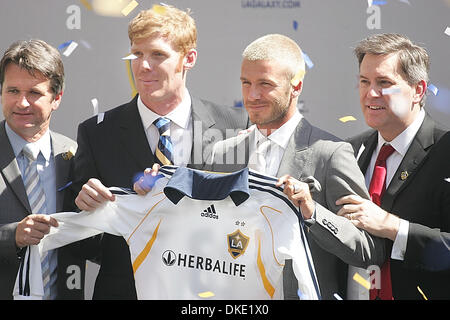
pixel 36 198
pixel 164 150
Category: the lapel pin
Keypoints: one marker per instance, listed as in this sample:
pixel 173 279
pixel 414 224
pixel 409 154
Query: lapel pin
pixel 404 175
pixel 69 154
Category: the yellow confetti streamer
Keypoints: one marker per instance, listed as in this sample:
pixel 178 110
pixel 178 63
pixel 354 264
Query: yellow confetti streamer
pixel 298 77
pixel 86 4
pixel 421 292
pixel 159 9
pixel 206 294
pixel 131 78
pixel 130 7
pixel 357 277
pixel 347 118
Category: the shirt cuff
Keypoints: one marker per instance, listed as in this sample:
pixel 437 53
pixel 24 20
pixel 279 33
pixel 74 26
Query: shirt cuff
pixel 400 242
pixel 309 222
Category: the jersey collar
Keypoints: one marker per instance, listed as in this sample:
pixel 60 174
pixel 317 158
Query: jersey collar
pixel 202 185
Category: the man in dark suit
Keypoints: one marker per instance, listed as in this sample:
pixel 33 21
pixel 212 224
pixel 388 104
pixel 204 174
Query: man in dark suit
pixel 32 81
pixel 128 140
pixel 272 73
pixel 413 214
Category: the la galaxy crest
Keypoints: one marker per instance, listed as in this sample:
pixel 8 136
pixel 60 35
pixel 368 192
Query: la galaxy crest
pixel 237 243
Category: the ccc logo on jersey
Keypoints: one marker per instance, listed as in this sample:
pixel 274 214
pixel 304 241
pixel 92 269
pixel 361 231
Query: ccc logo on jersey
pixel 237 243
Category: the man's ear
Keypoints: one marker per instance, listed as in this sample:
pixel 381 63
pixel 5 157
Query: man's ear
pixel 189 59
pixel 57 101
pixel 421 89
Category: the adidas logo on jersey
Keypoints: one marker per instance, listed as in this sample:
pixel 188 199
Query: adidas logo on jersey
pixel 210 212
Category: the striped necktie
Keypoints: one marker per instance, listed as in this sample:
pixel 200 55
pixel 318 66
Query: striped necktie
pixel 164 150
pixel 36 198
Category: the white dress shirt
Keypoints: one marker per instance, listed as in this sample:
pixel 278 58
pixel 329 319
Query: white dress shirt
pixel 180 129
pixel 401 144
pixel 278 143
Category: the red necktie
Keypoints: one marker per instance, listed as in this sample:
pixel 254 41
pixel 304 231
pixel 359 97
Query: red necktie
pixel 376 190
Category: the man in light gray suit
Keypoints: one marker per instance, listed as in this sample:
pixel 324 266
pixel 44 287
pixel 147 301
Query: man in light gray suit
pixel 32 81
pixel 284 144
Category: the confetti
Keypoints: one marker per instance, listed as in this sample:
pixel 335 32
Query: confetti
pixel 64 45
pixel 379 2
pixel 357 277
pixel 297 78
pixel 308 61
pixel 295 24
pixel 130 7
pixel 421 292
pixel 100 117
pixel 86 44
pixel 131 78
pixel 238 104
pixel 95 105
pixel 347 118
pixel 386 91
pixel 86 4
pixel 433 89
pixel 300 295
pixel 159 9
pixel 405 1
pixel 129 57
pixel 338 297
pixel 70 48
pixel 447 31
pixel 206 294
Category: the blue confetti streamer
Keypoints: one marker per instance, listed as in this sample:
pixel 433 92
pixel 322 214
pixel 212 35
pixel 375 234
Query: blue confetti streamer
pixel 433 89
pixel 64 45
pixel 308 60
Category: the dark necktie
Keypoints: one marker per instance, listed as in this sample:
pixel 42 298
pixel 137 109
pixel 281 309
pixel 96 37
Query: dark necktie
pixel 164 149
pixel 376 190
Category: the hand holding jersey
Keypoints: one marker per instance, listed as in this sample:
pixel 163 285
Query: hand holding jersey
pixel 144 184
pixel 92 195
pixel 299 193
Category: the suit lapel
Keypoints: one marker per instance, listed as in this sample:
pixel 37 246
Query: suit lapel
pixel 10 168
pixel 132 136
pixel 297 153
pixel 202 121
pixel 369 146
pixel 410 163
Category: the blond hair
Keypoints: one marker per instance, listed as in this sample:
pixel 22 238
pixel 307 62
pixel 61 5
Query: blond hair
pixel 174 24
pixel 277 47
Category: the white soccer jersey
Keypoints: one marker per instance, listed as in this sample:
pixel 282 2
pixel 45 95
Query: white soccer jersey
pixel 195 232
